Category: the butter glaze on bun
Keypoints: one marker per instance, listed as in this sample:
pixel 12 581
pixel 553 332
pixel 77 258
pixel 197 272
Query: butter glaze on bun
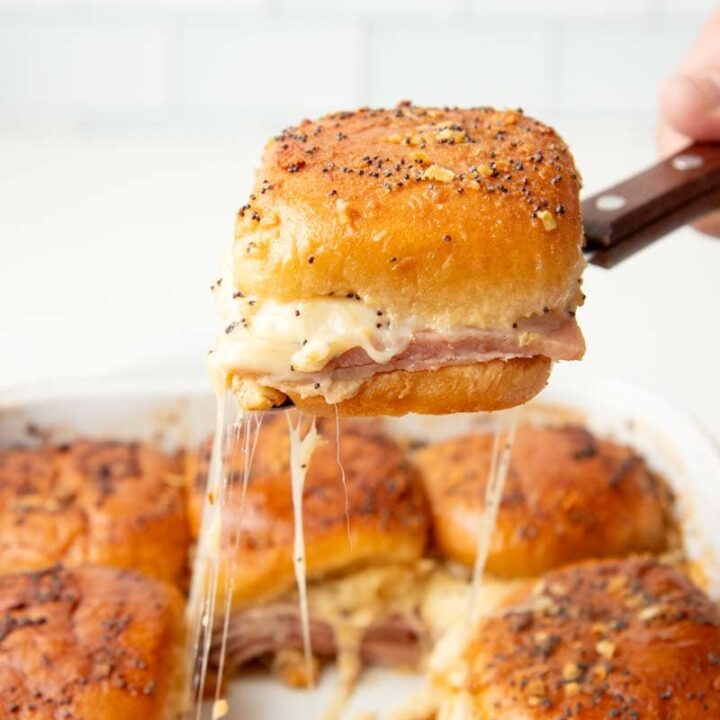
pixel 384 510
pixel 93 501
pixel 569 496
pixel 89 642
pixel 611 639
pixel 451 237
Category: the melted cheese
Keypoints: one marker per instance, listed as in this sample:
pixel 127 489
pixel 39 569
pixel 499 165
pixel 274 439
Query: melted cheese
pixel 452 607
pixel 235 433
pixel 353 603
pixel 220 709
pixel 431 593
pixel 285 340
pixel 301 450
pixel 434 594
pixel 250 426
pixel 203 593
pixel 343 478
pixel 497 475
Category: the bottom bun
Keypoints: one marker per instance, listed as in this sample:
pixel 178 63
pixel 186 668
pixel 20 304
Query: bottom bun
pixel 493 385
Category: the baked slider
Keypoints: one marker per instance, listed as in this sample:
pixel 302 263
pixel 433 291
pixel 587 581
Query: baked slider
pixel 569 496
pixel 105 502
pixel 363 554
pixel 89 642
pixel 627 639
pixel 406 260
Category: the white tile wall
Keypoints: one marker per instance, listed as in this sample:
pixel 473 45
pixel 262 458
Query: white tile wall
pixel 375 8
pixel 203 63
pixel 563 10
pixel 174 6
pixel 617 67
pixel 459 65
pixel 61 67
pixel 33 5
pixel 701 8
pixel 310 67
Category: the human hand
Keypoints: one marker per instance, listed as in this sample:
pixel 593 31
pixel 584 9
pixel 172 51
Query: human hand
pixel 690 104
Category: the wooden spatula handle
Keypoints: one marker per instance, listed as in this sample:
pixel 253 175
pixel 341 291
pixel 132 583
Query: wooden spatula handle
pixel 629 215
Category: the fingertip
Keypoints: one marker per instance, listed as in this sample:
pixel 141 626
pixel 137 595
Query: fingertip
pixel 690 103
pixel 669 140
pixel 678 103
pixel 709 224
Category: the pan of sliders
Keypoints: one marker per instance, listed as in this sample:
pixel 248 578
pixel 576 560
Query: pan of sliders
pixel 606 532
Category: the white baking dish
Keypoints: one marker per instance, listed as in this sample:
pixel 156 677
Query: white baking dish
pixel 175 412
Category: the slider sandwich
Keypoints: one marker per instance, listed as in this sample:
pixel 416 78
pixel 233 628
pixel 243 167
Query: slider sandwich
pixel 93 501
pixel 627 639
pixel 569 496
pixel 90 643
pixel 363 553
pixel 407 260
pixel 384 593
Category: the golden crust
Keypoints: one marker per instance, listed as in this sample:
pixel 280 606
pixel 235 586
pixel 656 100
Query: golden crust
pixel 487 386
pixel 271 456
pixel 458 216
pixel 568 496
pixel 112 503
pixel 387 513
pixel 611 639
pixel 91 642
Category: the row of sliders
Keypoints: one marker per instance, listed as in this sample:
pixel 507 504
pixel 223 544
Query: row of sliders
pixel 388 562
pixel 588 611
pixel 93 567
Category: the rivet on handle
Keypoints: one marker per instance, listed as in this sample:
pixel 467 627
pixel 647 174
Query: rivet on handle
pixel 609 203
pixel 687 162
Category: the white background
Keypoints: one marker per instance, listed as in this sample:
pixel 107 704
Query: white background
pixel 129 130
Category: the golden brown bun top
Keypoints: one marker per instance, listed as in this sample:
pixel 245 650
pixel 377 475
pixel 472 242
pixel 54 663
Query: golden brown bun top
pixel 93 642
pixel 114 503
pixel 569 496
pixel 613 639
pixel 387 515
pixel 459 216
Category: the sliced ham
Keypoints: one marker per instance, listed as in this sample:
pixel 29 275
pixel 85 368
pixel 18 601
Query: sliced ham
pixel 259 632
pixel 560 341
pixel 553 336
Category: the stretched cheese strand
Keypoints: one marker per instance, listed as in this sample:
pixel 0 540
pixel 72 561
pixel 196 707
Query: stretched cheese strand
pixel 251 432
pixel 201 605
pixel 343 478
pixel 447 656
pixel 301 450
pixel 499 464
